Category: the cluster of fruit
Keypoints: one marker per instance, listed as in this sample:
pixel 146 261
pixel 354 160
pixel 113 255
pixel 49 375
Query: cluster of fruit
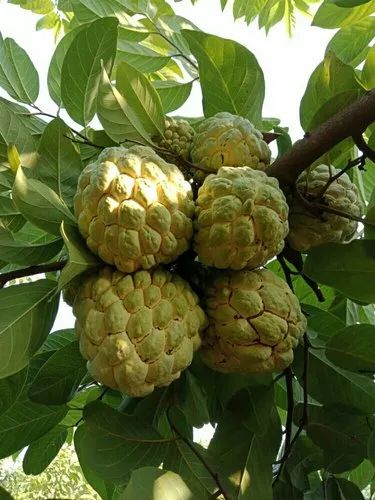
pixel 139 324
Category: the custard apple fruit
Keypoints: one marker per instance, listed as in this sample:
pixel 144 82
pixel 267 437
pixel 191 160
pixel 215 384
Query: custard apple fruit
pixel 137 331
pixel 178 137
pixel 229 140
pixel 241 219
pixel 308 230
pixel 134 209
pixel 255 322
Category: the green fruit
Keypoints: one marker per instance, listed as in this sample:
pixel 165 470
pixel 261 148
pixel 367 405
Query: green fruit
pixel 255 322
pixel 231 141
pixel 241 219
pixel 137 331
pixel 178 137
pixel 308 229
pixel 134 209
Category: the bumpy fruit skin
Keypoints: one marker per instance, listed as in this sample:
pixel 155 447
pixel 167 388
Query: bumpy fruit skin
pixel 241 219
pixel 137 331
pixel 134 209
pixel 178 137
pixel 255 321
pixel 308 230
pixel 229 140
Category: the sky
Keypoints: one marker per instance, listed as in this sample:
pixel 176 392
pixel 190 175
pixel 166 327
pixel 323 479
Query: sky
pixel 287 63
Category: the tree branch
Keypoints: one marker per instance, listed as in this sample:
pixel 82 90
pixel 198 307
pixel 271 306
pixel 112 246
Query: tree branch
pixel 351 121
pixel 30 271
pixel 289 419
pixel 364 147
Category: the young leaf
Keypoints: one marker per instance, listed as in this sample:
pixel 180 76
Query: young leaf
pixel 80 257
pixel 151 483
pixel 27 313
pixel 230 76
pixel 18 75
pixel 14 159
pixel 39 204
pixel 349 268
pixel 41 452
pixel 172 94
pixel 81 70
pixel 58 164
pixel 353 348
pixel 331 16
pixel 114 444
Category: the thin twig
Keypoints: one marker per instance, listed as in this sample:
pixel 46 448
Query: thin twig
pixel 207 466
pixel 30 271
pixel 84 141
pixel 287 271
pixel 357 162
pixel 364 147
pixel 290 396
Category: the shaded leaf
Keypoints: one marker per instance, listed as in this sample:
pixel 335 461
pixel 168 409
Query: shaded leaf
pixel 368 72
pixel 58 339
pixel 11 388
pixel 41 452
pixel 172 94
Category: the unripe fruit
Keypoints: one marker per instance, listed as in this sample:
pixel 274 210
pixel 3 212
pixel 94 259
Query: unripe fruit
pixel 137 331
pixel 229 140
pixel 134 209
pixel 255 322
pixel 308 230
pixel 178 137
pixel 241 219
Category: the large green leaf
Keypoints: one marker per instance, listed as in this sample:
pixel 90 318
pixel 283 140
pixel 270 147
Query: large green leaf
pixel 10 217
pixel 59 378
pixel 11 388
pixel 55 67
pixel 35 6
pixel 80 257
pixel 27 313
pixel 331 16
pixel 93 47
pixel 329 80
pixel 342 489
pixel 58 339
pixel 114 444
pixel 349 268
pixel 368 72
pixel 353 348
pixel 58 163
pixel 140 57
pixel 172 94
pixel 349 3
pixel 335 387
pixel 132 110
pixel 41 452
pixel 109 8
pixel 230 76
pixel 39 204
pixel 18 75
pixel 17 251
pixel 350 44
pixel 151 483
pixel 371 447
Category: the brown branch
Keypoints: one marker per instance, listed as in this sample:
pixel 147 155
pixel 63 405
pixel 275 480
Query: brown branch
pixel 30 271
pixel 364 147
pixel 351 121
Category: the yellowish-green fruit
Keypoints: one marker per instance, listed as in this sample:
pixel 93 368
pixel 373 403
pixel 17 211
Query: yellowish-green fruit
pixel 255 322
pixel 241 219
pixel 307 229
pixel 137 331
pixel 229 140
pixel 134 209
pixel 178 137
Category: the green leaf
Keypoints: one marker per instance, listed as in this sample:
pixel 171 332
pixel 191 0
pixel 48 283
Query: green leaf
pixel 109 8
pixel 350 44
pixel 39 204
pixel 335 387
pixel 48 22
pixel 230 76
pixel 151 483
pixel 80 257
pixel 322 325
pixel 11 388
pixel 371 447
pixel 81 70
pixel 58 380
pixel 41 452
pixel 172 94
pixel 370 216
pixel 5 495
pixel 368 72
pixel 353 348
pixel 132 110
pixel 10 217
pixel 55 66
pixel 362 474
pixel 349 3
pixel 35 6
pixel 330 79
pixel 18 75
pixel 19 252
pixel 27 313
pixel 114 444
pixel 58 164
pixel 331 16
pixel 140 57
pixel 57 340
pixel 14 159
pixel 271 14
pixel 342 489
pixel 193 402
pixel 349 268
